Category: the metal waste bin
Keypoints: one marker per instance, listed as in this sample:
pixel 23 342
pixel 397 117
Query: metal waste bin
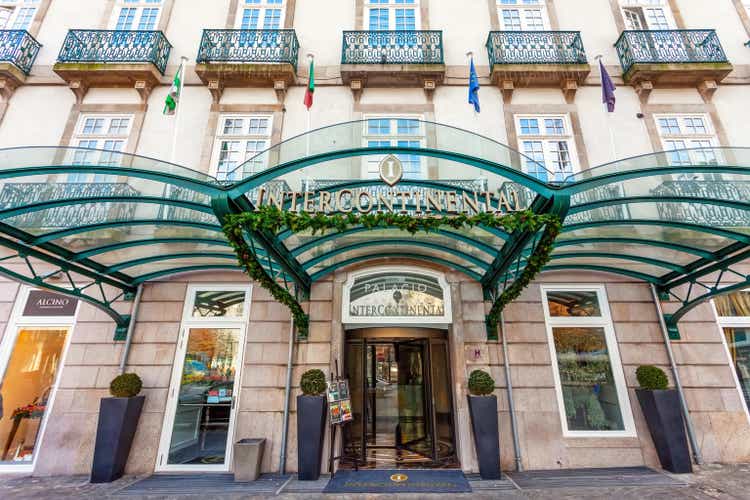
pixel 248 455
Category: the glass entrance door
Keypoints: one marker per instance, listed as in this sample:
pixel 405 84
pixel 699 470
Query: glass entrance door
pixel 414 431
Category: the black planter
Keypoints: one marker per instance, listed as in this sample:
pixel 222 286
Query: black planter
pixel 664 419
pixel 118 419
pixel 311 424
pixel 483 412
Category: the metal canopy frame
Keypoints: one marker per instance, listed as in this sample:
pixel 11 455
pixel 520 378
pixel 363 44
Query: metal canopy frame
pixel 634 217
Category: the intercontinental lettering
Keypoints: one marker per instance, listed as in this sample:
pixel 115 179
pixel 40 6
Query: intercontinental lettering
pixel 404 310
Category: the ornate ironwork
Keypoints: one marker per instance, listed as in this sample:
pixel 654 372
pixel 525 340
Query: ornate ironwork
pixel 702 213
pixel 104 46
pixel 535 47
pixel 669 46
pixel 610 212
pixel 244 46
pixel 392 47
pixel 19 48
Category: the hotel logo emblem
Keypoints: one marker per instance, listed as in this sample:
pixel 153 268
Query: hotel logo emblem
pixel 399 478
pixel 391 170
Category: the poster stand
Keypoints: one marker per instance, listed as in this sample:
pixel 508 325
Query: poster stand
pixel 340 414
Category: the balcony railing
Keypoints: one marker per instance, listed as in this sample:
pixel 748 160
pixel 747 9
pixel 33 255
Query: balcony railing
pixel 392 47
pixel 249 46
pixel 702 213
pixel 535 47
pixel 101 46
pixel 22 194
pixel 669 46
pixel 18 48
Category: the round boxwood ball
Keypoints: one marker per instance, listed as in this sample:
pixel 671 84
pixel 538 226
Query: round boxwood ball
pixel 651 378
pixel 127 385
pixel 313 383
pixel 481 383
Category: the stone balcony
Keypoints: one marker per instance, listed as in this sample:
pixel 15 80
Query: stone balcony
pixel 248 58
pixel 672 58
pixel 538 59
pixel 18 51
pixel 105 58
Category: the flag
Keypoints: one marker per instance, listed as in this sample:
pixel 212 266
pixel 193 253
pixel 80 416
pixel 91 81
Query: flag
pixel 310 86
pixel 170 104
pixel 473 86
pixel 608 88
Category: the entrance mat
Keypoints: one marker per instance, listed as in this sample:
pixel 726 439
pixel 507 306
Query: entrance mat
pixel 203 484
pixel 578 478
pixel 398 481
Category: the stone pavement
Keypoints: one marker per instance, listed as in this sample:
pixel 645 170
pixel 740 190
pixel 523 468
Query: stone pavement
pixel 709 482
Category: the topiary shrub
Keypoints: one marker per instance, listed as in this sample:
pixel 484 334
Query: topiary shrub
pixel 313 383
pixel 481 383
pixel 127 385
pixel 651 378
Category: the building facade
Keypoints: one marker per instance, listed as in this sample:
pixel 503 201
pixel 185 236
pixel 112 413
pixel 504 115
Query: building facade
pixel 84 84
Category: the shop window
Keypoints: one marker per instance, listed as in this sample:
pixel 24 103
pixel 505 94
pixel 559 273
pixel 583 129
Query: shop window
pixel 405 132
pixel 261 14
pixel 591 388
pixel 523 15
pixel 690 139
pixel 17 14
pixel 240 139
pixel 647 15
pixel 99 139
pixel 733 311
pixel 547 141
pixel 141 15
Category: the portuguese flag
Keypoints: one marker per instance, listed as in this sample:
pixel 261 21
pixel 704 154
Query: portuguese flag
pixel 310 86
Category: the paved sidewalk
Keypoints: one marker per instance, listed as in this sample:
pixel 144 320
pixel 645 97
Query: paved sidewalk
pixel 710 482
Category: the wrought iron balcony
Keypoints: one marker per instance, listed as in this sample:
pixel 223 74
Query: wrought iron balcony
pixel 672 56
pixel 103 46
pixel 19 48
pixel 703 213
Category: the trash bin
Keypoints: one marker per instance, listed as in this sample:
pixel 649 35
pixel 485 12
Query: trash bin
pixel 248 455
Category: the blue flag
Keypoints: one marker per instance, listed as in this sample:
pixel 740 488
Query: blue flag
pixel 473 87
pixel 608 88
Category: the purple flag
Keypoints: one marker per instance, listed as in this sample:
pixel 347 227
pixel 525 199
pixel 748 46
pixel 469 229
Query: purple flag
pixel 608 88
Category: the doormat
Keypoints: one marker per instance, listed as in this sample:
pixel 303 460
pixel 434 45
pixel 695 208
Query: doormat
pixel 398 481
pixel 601 477
pixel 203 484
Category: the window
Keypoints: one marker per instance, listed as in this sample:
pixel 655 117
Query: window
pixel 406 132
pixel 142 15
pixel 681 132
pixel 523 15
pixel 108 134
pixel 590 383
pixel 548 141
pixel 261 14
pixel 17 14
pixel 733 312
pixel 647 15
pixel 241 138
pixel 385 15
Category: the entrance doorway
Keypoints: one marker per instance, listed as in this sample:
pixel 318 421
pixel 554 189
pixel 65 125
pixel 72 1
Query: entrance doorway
pixel 401 398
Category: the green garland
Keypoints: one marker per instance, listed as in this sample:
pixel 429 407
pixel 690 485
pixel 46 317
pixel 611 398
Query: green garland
pixel 269 218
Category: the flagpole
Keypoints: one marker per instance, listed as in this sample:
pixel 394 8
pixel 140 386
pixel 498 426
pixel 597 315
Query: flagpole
pixel 310 59
pixel 173 156
pixel 608 119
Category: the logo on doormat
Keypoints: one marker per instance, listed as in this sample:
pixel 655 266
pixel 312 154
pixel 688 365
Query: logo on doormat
pixel 399 478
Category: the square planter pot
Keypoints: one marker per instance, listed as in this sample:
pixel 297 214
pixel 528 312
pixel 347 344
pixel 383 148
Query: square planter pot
pixel 118 420
pixel 483 412
pixel 311 423
pixel 248 455
pixel 663 415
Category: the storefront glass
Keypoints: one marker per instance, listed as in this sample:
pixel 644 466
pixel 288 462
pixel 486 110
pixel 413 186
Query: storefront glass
pixel 734 316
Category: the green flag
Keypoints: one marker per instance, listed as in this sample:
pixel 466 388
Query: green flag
pixel 173 98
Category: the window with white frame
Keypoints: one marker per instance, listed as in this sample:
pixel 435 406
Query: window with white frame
pixel 239 139
pixel 141 15
pixel 404 132
pixel 679 133
pixel 548 141
pixel 17 14
pixel 383 15
pixel 647 15
pixel 590 383
pixel 523 15
pixel 733 312
pixel 100 138
pixel 261 14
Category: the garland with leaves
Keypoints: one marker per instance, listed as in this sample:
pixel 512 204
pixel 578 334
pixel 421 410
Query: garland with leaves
pixel 269 218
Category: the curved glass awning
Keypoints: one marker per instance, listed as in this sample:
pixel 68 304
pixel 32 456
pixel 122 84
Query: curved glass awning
pixel 99 223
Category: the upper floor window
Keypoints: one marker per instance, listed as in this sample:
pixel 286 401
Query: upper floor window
pixel 681 132
pixel 142 15
pixel 17 14
pixel 548 141
pixel 106 133
pixel 397 15
pixel 240 138
pixel 522 15
pixel 647 15
pixel 261 14
pixel 733 311
pixel 404 132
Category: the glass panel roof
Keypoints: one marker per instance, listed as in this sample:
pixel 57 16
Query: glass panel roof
pixel 93 239
pixel 651 231
pixel 638 250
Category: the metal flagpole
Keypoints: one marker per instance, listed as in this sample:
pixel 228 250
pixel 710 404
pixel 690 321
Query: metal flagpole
pixel 173 156
pixel 608 118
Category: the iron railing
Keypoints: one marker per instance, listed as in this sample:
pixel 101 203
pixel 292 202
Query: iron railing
pixel 703 213
pixel 669 46
pixel 609 212
pixel 15 195
pixel 103 46
pixel 248 46
pixel 535 47
pixel 18 48
pixel 392 47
